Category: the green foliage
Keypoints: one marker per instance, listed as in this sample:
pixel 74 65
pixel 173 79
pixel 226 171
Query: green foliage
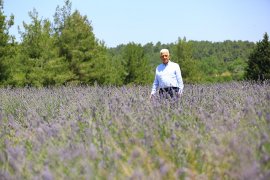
pixel 77 44
pixel 114 71
pixel 183 56
pixel 259 61
pixel 61 16
pixel 5 44
pixel 137 67
pixel 237 68
pixel 36 62
pixel 86 57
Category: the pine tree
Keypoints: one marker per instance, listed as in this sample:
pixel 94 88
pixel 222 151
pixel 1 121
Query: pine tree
pixel 259 61
pixel 37 63
pixel 183 56
pixel 4 41
pixel 86 56
pixel 137 66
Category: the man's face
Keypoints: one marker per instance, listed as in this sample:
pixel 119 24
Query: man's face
pixel 165 57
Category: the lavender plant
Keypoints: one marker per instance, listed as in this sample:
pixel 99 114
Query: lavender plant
pixel 218 131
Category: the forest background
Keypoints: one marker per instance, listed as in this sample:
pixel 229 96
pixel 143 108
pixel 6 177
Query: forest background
pixel 66 52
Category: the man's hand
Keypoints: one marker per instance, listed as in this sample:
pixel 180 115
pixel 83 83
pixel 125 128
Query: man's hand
pixel 179 94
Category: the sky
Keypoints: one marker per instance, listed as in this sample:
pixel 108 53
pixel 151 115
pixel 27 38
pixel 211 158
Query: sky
pixel 118 22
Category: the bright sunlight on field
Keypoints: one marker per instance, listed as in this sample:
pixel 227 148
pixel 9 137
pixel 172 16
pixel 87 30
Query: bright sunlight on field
pixel 219 131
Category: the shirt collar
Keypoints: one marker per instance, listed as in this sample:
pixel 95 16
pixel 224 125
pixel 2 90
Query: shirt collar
pixel 167 63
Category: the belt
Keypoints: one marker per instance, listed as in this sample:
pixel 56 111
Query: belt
pixel 167 89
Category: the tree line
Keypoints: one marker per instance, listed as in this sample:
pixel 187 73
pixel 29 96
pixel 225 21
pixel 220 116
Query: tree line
pixel 66 52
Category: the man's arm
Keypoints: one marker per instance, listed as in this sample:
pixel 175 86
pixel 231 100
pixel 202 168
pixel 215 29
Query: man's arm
pixel 154 87
pixel 179 80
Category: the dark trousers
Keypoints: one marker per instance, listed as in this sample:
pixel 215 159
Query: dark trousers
pixel 168 92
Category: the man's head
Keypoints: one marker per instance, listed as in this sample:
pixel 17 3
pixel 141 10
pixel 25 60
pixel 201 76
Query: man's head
pixel 164 55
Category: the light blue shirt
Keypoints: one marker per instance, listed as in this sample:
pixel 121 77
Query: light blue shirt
pixel 168 75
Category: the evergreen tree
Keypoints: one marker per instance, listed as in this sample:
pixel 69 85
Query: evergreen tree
pixel 5 43
pixel 37 62
pixel 137 67
pixel 183 56
pixel 259 61
pixel 114 71
pixel 61 15
pixel 80 48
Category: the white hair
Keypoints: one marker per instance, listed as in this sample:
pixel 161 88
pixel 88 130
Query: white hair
pixel 164 51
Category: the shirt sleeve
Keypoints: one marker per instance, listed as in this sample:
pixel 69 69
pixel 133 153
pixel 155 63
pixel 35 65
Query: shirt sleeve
pixel 155 85
pixel 179 79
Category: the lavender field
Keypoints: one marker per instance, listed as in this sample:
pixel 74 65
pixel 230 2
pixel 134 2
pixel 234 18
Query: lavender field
pixel 218 131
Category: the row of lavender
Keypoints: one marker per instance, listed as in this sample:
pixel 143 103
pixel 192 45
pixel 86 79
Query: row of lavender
pixel 213 132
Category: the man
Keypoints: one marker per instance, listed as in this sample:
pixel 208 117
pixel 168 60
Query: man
pixel 168 78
